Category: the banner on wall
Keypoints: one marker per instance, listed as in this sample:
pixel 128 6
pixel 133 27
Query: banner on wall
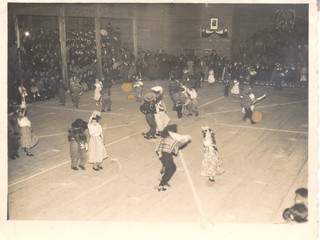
pixel 223 33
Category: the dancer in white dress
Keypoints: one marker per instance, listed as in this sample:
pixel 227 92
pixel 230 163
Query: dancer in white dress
pixel 211 78
pixel 97 151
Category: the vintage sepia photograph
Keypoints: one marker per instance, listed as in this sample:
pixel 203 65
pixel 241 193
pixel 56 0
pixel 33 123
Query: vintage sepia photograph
pixel 173 119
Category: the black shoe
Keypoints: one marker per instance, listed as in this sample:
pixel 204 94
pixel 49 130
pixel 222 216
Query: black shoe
pixel 211 179
pixel 197 114
pixel 74 168
pixel 161 188
pixel 17 155
pixel 109 110
pixel 82 167
pixel 29 154
pixel 146 136
pixel 103 110
pixel 96 168
pixel 12 157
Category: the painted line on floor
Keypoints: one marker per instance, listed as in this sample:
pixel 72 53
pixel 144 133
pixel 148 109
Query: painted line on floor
pixel 258 128
pixel 265 106
pixel 65 133
pixel 215 100
pixel 68 162
pixel 82 110
pixel 97 186
pixel 293 183
pixel 195 195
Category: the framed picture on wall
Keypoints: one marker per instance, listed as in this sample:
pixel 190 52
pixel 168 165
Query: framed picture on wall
pixel 214 23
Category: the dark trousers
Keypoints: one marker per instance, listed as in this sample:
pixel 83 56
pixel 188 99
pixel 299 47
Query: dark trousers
pixel 278 85
pixel 13 145
pixel 169 168
pixel 248 114
pixel 76 98
pixel 77 154
pixel 179 110
pixel 105 103
pixel 226 89
pixel 152 124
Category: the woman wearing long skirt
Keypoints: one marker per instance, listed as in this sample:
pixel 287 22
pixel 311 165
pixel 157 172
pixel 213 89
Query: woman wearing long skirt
pixel 28 139
pixel 211 78
pixel 161 117
pixel 211 165
pixel 97 92
pixel 97 151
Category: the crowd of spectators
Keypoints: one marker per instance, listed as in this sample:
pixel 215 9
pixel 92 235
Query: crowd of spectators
pixel 255 61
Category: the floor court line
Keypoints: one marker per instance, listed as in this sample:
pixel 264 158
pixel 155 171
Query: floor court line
pixel 259 107
pixel 80 110
pixel 195 195
pixel 60 134
pixel 215 100
pixel 98 186
pixel 68 162
pixel 258 128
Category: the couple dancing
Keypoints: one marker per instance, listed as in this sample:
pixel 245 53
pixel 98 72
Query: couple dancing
pixel 154 110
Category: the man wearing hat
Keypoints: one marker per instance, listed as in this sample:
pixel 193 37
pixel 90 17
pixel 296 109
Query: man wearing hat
pixel 148 108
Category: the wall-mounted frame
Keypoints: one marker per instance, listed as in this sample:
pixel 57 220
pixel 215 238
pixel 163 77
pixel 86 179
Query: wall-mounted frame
pixel 214 22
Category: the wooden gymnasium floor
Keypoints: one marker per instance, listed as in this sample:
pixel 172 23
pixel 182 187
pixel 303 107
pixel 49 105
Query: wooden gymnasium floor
pixel 264 163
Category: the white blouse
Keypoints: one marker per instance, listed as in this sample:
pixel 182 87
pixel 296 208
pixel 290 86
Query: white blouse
pixel 24 122
pixel 95 130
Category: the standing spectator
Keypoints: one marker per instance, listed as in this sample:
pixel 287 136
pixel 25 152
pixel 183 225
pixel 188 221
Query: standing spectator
pixel 211 165
pixel 105 100
pixel 62 93
pixel 76 90
pixel 190 65
pixel 211 78
pixel 28 139
pixel 148 108
pixel 97 92
pixel 78 138
pixel 278 78
pixel 168 146
pixel 97 151
pixel 13 135
pixel 196 78
pixel 138 86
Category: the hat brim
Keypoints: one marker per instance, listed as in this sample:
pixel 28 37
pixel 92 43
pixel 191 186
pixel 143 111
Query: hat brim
pixel 149 97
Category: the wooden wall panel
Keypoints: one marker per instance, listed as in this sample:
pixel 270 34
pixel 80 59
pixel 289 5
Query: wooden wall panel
pixel 172 27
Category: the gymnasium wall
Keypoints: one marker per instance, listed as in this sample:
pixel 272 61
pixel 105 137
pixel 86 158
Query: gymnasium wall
pixel 251 18
pixel 171 27
pixel 174 27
